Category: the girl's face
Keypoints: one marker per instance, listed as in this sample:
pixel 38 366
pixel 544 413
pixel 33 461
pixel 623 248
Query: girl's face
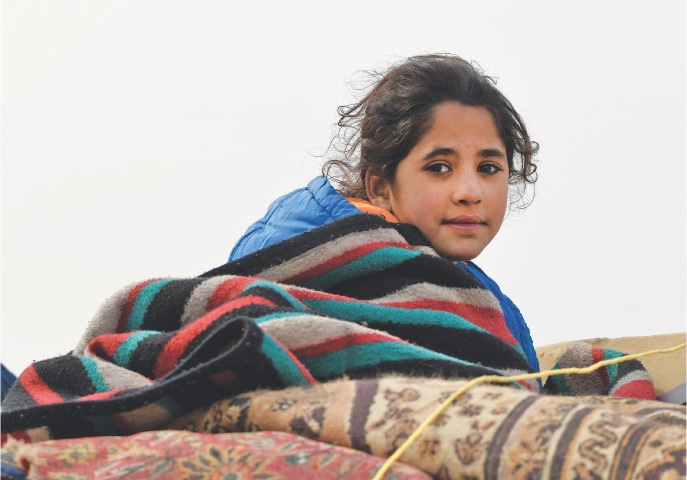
pixel 453 185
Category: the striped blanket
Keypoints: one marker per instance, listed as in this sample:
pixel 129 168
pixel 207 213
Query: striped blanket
pixel 358 298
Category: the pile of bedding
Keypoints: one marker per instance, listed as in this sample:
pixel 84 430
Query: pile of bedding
pixel 349 336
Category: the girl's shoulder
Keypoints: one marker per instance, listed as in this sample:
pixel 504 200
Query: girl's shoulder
pixel 291 214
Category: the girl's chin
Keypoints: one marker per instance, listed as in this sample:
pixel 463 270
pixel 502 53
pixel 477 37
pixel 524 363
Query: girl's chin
pixel 460 254
pixel 462 257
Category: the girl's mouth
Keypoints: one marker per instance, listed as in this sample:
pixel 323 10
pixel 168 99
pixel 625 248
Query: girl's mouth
pixel 465 222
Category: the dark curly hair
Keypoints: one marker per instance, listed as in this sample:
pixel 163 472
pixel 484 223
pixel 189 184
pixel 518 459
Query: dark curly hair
pixel 379 131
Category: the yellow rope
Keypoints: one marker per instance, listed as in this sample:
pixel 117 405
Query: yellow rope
pixel 501 379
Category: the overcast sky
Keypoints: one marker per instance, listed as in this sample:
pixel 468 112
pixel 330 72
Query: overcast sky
pixel 141 138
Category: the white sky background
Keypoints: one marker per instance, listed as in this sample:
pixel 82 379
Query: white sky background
pixel 140 139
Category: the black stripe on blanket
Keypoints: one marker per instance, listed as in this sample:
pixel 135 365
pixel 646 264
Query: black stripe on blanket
pixel 169 300
pixel 281 252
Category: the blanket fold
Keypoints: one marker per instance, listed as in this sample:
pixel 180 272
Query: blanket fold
pixel 358 297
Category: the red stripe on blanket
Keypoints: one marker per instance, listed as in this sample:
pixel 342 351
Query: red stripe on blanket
pixel 346 257
pixel 527 385
pixel 176 346
pixel 102 395
pixel 489 319
pixel 303 294
pixel 129 304
pixel 39 391
pixel 597 356
pixel 339 343
pixel 636 389
pixel 107 344
pixel 227 291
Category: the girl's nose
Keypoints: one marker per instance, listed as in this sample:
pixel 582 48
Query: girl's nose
pixel 466 190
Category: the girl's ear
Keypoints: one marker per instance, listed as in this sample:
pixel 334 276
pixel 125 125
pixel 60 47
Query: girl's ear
pixel 378 190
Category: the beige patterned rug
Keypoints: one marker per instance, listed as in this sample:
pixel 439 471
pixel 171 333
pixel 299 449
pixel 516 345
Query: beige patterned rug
pixel 489 432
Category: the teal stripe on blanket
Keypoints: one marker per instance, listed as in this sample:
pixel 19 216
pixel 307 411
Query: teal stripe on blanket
pixel 276 288
pixel 285 364
pixel 374 261
pixel 562 387
pixel 123 354
pixel 279 315
pixel 97 380
pixel 143 299
pixel 370 354
pixel 612 370
pixel 358 311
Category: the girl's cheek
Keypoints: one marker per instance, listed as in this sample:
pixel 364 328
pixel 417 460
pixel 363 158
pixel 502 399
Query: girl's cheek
pixel 430 198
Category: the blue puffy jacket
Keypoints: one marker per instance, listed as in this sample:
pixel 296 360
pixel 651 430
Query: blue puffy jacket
pixel 317 204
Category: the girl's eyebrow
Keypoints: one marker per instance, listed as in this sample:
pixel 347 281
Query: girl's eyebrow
pixel 492 152
pixel 440 152
pixel 445 152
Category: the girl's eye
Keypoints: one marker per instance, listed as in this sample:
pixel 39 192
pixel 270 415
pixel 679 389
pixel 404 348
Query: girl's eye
pixel 489 168
pixel 437 168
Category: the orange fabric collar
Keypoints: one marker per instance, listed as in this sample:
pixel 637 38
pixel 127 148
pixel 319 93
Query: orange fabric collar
pixel 366 207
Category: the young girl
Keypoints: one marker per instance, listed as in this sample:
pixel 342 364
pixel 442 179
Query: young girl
pixel 435 144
